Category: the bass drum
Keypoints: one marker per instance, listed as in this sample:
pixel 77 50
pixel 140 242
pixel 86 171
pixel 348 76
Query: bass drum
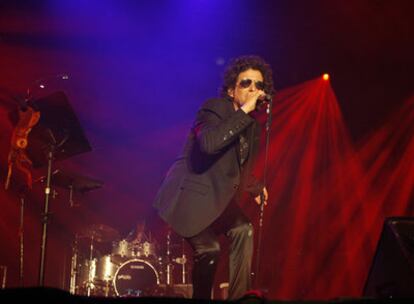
pixel 136 278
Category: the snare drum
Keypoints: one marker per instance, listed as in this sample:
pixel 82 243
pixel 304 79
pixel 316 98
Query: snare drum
pixel 96 270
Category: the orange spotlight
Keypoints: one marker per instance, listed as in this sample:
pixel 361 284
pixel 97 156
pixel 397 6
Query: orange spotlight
pixel 325 76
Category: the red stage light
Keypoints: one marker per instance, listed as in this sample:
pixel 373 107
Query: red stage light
pixel 325 76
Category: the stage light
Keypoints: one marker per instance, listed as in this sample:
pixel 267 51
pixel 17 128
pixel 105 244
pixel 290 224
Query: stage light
pixel 325 76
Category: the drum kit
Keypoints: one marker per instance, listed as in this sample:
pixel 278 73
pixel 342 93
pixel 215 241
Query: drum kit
pixel 103 264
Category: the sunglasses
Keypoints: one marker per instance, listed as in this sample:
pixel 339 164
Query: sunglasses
pixel 245 83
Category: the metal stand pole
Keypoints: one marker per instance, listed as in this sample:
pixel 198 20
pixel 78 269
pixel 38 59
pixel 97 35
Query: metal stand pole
pixel 45 219
pixel 169 278
pixel 21 241
pixel 91 268
pixel 261 215
pixel 169 265
pixel 183 262
pixel 74 266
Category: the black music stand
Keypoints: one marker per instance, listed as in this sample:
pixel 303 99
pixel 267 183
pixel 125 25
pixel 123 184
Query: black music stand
pixel 57 136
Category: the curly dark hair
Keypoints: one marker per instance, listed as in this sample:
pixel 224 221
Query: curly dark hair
pixel 244 63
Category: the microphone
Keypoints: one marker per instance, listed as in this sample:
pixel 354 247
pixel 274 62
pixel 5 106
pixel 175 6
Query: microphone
pixel 263 99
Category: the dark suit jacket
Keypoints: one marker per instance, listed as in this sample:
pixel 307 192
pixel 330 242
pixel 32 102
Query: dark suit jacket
pixel 205 177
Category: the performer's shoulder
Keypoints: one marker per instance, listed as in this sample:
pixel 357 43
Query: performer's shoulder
pixel 216 104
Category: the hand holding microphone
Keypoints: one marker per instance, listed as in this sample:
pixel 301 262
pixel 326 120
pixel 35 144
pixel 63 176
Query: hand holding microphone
pixel 262 100
pixel 256 101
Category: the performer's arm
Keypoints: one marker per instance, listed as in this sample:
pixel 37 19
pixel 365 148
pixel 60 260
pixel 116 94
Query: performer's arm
pixel 214 133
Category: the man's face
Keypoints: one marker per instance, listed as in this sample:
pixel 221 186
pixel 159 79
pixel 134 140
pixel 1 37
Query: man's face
pixel 241 92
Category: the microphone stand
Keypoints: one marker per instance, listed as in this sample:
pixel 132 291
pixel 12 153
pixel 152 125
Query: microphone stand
pixel 262 198
pixel 53 147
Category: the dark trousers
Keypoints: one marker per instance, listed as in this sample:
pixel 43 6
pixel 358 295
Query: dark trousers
pixel 237 228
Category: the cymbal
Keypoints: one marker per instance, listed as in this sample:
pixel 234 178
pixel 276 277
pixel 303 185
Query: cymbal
pixel 100 233
pixel 76 182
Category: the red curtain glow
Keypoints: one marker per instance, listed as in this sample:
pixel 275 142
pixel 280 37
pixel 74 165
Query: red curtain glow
pixel 328 197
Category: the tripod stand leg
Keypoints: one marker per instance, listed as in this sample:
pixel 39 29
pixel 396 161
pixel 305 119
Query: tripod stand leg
pixel 21 241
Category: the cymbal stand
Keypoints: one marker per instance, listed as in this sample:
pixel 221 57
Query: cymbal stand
pixel 45 218
pixel 183 261
pixel 91 270
pixel 169 287
pixel 53 146
pixel 107 288
pixel 169 264
pixel 74 266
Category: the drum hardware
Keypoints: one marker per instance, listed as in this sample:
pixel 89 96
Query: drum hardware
pixel 73 266
pixel 79 184
pixel 124 249
pixel 94 273
pixel 21 240
pixel 90 263
pixel 182 261
pixel 101 233
pixel 169 264
pixel 170 284
pixel 148 249
pixel 173 285
pixel 121 249
pixel 22 197
pixel 91 268
pixel 75 183
pixel 128 269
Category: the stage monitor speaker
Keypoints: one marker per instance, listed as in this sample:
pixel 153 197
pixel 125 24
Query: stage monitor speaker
pixel 392 270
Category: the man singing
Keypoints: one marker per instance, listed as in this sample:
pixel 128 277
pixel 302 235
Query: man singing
pixel 199 195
